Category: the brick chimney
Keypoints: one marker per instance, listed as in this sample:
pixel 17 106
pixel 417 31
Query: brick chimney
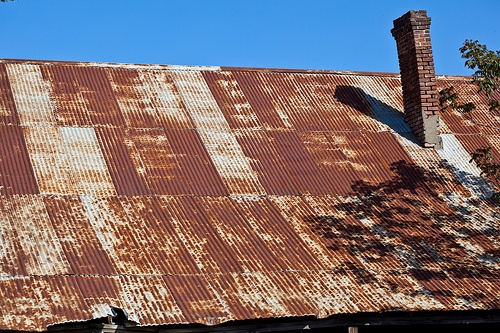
pixel 416 65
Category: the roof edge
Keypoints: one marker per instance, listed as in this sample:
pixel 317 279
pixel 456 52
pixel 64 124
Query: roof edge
pixel 218 68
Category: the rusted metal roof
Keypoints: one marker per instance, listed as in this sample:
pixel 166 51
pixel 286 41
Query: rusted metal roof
pixel 204 194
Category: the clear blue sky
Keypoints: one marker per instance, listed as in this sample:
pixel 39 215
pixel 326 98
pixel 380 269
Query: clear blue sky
pixel 309 34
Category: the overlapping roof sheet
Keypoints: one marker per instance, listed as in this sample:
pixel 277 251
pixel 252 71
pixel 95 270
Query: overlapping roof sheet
pixel 204 195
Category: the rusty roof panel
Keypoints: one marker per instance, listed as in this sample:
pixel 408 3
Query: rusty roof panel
pixel 40 248
pixel 81 246
pixel 97 93
pixel 231 100
pixel 8 112
pixel 150 301
pixel 298 163
pixel 203 241
pixel 120 154
pixel 25 305
pixel 190 195
pixel 483 121
pixel 467 173
pixel 11 254
pixel 166 99
pixel 235 230
pixel 16 171
pixel 259 147
pixel 160 240
pixel 195 162
pixel 69 105
pixel 84 156
pixel 158 162
pixel 257 93
pixel 136 104
pixel 198 301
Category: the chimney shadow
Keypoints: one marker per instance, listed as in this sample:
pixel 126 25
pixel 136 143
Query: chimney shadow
pixel 368 105
pixel 394 120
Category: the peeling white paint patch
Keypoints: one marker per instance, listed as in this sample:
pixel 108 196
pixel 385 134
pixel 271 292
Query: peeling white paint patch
pixel 49 159
pixel 31 94
pixel 100 311
pixel 88 167
pixel 37 237
pixel 165 99
pixel 467 173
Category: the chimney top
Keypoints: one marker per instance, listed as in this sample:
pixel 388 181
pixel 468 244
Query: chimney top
pixel 412 34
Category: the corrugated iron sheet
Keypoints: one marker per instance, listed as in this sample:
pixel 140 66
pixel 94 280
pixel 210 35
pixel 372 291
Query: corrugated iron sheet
pixel 203 195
